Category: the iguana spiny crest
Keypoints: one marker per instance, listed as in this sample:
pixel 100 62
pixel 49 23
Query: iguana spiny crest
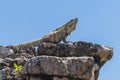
pixel 55 36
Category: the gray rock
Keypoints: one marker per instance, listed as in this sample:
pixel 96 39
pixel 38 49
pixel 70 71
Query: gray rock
pixel 63 78
pixel 4 73
pixel 63 61
pixel 99 52
pixel 4 52
pixel 77 67
pixel 35 78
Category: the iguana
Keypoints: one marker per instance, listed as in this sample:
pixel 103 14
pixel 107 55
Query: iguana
pixel 55 36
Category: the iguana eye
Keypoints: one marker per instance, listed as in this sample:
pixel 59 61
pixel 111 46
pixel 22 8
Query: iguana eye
pixel 55 36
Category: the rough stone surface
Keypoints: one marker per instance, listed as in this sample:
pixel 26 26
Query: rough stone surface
pixel 54 61
pixel 4 73
pixel 35 78
pixel 4 52
pixel 77 49
pixel 58 78
pixel 78 67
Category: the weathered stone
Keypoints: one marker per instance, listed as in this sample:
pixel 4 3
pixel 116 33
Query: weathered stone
pixel 19 77
pixel 4 52
pixel 58 78
pixel 63 61
pixel 95 72
pixel 4 73
pixel 35 78
pixel 41 77
pixel 8 62
pixel 100 52
pixel 78 67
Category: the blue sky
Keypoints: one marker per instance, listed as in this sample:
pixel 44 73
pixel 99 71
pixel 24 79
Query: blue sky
pixel 99 22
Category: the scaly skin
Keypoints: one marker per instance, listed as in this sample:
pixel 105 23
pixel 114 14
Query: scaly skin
pixel 55 36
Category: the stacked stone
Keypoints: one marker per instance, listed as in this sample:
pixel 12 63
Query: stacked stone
pixel 54 61
pixel 67 61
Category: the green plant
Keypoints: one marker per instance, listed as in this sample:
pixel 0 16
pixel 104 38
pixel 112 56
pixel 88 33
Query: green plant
pixel 17 67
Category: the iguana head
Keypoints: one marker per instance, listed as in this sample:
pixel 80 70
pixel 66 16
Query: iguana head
pixel 71 25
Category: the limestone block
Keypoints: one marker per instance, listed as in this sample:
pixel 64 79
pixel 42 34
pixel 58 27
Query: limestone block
pixel 77 67
pixel 4 52
pixel 58 78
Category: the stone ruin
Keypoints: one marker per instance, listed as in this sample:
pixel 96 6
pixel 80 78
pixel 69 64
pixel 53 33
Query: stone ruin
pixel 54 61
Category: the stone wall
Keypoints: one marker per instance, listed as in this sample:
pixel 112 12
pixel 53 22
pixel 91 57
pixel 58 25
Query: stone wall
pixel 54 61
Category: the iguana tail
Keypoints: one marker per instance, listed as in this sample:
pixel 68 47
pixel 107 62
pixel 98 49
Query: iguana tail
pixel 55 36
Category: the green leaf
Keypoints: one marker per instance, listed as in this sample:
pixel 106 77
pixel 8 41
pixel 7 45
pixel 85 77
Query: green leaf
pixel 17 67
